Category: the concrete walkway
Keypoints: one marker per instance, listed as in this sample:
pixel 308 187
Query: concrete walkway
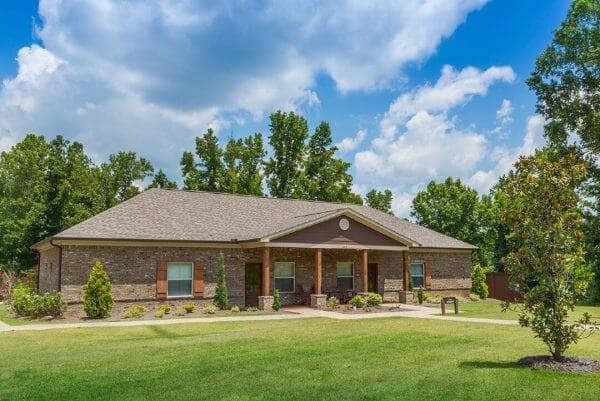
pixel 293 312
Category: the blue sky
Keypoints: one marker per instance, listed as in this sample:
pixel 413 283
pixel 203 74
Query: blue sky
pixel 414 90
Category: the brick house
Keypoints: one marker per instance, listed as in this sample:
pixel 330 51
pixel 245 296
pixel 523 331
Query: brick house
pixel 164 244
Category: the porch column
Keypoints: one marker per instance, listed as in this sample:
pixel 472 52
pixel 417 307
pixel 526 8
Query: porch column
pixel 318 271
pixel 364 263
pixel 405 270
pixel 266 276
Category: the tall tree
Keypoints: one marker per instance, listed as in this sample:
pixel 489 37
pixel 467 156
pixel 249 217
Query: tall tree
pixel 544 214
pixel 160 180
pixel 566 81
pixel 324 176
pixel 380 200
pixel 455 210
pixel 289 132
pixel 207 173
pixel 119 176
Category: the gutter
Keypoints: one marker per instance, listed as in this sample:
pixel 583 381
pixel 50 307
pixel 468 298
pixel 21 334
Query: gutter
pixel 59 264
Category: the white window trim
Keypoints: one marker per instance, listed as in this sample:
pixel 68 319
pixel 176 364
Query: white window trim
pixel 352 276
pixel 422 270
pixel 292 277
pixel 191 295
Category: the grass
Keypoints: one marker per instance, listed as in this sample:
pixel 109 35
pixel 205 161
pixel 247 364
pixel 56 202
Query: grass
pixel 312 359
pixel 491 309
pixel 4 312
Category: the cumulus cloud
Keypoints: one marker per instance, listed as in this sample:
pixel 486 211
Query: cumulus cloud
pixel 151 74
pixel 350 143
pixel 419 141
pixel 504 113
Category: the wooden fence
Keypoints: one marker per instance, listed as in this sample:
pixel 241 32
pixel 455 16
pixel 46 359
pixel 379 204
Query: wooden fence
pixel 499 287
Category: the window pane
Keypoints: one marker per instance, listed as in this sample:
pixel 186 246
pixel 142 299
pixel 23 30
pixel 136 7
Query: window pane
pixel 284 284
pixel 416 269
pixel 418 282
pixel 180 288
pixel 345 282
pixel 179 271
pixel 284 269
pixel 344 269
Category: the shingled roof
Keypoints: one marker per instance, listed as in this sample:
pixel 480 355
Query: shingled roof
pixel 177 215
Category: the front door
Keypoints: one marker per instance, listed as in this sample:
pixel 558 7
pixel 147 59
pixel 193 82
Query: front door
pixel 253 284
pixel 372 275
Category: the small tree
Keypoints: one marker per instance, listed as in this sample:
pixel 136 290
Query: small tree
pixel 478 284
pixel 97 296
pixel 221 296
pixel 276 302
pixel 544 217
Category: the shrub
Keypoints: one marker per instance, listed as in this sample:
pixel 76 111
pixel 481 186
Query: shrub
pixel 134 311
pixel 8 280
pixel 474 297
pixel 164 308
pixel 420 295
pixel 210 309
pixel 374 299
pixel 358 301
pixel 235 309
pixel 97 297
pixel 478 284
pixel 189 308
pixel 221 296
pixel 159 313
pixel 25 302
pixel 252 309
pixel 180 312
pixel 276 303
pixel 332 303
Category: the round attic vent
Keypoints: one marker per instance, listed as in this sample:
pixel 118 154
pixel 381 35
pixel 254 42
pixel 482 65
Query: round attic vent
pixel 344 224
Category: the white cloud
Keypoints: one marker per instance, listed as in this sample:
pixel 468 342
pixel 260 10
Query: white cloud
pixel 504 113
pixel 419 141
pixel 504 158
pixel 349 144
pixel 150 75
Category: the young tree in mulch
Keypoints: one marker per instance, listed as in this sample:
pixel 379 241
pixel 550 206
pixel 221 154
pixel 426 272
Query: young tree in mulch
pixel 544 216
pixel 478 284
pixel 221 296
pixel 97 296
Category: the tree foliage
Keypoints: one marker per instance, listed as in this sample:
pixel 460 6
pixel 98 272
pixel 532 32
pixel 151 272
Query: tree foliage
pixel 380 200
pixel 478 283
pixel 97 293
pixel 160 180
pixel 221 296
pixel 544 215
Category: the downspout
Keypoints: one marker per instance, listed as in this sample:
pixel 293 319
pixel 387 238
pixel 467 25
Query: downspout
pixel 59 264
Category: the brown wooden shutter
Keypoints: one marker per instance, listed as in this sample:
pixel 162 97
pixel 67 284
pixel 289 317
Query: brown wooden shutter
pixel 198 279
pixel 161 279
pixel 428 275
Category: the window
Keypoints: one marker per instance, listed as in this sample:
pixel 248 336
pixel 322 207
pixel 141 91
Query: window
pixel 345 275
pixel 285 276
pixel 417 275
pixel 179 277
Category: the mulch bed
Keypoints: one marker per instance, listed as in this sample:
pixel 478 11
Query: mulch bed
pixel 567 364
pixel 371 309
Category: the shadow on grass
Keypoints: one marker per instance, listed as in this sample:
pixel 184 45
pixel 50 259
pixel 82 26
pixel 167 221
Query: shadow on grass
pixel 488 365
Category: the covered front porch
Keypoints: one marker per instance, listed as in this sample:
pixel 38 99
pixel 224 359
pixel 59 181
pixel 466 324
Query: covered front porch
pixel 309 275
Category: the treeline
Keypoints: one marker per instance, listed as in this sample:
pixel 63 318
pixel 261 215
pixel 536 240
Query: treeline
pixel 48 186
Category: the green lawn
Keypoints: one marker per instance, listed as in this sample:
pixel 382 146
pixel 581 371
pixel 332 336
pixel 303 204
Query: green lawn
pixel 491 309
pixel 4 312
pixel 313 359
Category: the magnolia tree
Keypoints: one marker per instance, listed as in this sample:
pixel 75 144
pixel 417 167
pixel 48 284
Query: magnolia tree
pixel 544 218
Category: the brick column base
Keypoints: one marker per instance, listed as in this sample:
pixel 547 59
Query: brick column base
pixel 406 297
pixel 318 301
pixel 265 302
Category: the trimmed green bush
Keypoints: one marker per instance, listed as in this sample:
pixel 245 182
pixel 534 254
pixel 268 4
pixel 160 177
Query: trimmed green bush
pixel 332 303
pixel 252 309
pixel 164 308
pixel 97 296
pixel 134 311
pixel 235 309
pixel 189 308
pixel 421 295
pixel 210 309
pixel 358 301
pixel 25 302
pixel 474 297
pixel 478 284
pixel 276 303
pixel 221 296
pixel 374 299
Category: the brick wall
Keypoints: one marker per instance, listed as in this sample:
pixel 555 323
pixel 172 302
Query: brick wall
pixel 132 270
pixel 49 260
